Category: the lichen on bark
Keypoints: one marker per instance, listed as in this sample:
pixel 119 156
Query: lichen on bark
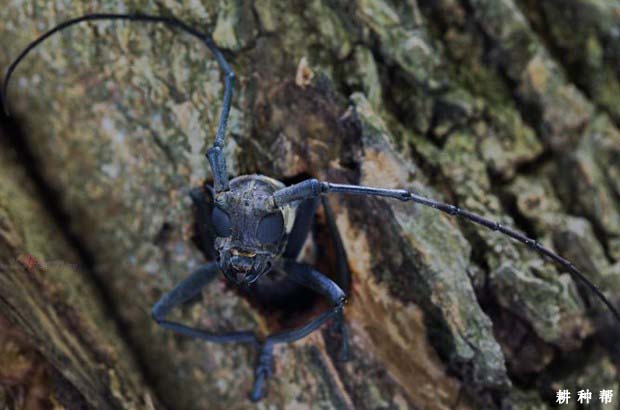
pixel 467 101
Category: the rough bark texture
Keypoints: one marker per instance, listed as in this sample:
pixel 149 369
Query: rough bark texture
pixel 508 108
pixel 58 347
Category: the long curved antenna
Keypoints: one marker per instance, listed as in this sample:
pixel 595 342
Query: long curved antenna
pixel 312 188
pixel 215 154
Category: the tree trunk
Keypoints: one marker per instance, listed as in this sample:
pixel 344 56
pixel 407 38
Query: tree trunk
pixel 62 348
pixel 509 109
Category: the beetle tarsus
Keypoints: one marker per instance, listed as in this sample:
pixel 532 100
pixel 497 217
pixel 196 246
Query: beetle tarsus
pixel 263 371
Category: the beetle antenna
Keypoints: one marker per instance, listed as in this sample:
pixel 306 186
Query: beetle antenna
pixel 215 154
pixel 312 188
pixel 170 21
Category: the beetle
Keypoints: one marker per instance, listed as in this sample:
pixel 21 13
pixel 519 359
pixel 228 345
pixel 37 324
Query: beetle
pixel 253 225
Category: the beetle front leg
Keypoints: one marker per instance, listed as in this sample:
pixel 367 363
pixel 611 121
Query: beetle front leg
pixel 263 370
pixel 304 275
pixel 187 289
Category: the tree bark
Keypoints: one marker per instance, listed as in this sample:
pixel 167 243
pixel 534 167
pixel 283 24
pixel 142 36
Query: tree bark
pixel 508 109
pixel 58 347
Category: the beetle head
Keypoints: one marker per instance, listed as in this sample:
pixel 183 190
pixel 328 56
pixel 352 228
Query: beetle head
pixel 250 232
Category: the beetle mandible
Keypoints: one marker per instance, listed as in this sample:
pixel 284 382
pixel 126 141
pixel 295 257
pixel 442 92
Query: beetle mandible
pixel 253 225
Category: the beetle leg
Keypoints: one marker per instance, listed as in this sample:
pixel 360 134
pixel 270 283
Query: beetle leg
pixel 301 227
pixel 184 291
pixel 263 370
pixel 343 279
pixel 304 275
pixel 203 201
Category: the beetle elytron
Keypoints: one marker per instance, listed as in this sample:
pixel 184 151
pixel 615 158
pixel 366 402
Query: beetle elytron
pixel 253 225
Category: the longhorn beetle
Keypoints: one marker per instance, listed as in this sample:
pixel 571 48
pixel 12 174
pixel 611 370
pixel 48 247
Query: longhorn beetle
pixel 253 225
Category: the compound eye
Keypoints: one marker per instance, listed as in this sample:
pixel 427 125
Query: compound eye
pixel 221 222
pixel 270 228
